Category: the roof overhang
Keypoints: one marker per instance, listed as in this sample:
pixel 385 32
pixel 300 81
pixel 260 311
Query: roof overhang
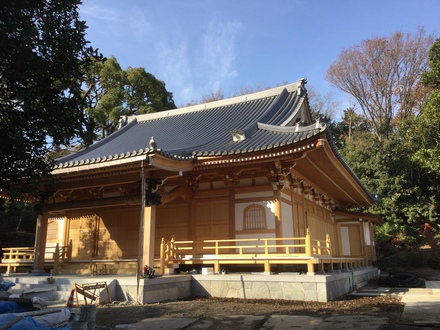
pixel 169 164
pixel 349 216
pixel 326 169
pixel 98 165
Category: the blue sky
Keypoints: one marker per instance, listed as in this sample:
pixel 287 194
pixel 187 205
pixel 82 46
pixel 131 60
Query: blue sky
pixel 198 46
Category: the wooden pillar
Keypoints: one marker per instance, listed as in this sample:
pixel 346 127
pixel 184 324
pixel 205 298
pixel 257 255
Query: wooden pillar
pixel 162 256
pixel 231 229
pixel 278 224
pixel 309 253
pixel 149 236
pixel 266 267
pixel 338 238
pixel 40 241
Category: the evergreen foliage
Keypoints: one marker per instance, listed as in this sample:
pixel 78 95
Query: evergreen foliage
pixel 42 60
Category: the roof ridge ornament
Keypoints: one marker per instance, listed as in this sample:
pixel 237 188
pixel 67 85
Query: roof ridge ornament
pixel 238 135
pixel 153 144
pixel 122 121
pixel 301 85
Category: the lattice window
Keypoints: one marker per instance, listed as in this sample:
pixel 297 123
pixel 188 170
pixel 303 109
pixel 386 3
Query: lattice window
pixel 52 230
pixel 254 217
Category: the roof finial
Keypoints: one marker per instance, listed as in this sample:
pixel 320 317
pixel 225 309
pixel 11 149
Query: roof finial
pixel 122 121
pixel 300 84
pixel 153 144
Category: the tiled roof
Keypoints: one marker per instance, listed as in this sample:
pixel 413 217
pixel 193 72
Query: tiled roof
pixel 242 124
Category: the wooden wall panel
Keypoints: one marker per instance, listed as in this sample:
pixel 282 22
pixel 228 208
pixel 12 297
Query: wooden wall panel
pixel 299 222
pixel 82 234
pixel 355 240
pixel 171 220
pixel 322 227
pixel 118 232
pixel 212 220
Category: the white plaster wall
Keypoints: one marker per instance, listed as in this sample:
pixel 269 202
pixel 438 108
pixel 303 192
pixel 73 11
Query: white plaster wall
pixel 345 241
pixel 286 220
pixel 366 226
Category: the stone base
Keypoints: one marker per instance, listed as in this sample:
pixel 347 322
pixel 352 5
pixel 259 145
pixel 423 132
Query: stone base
pixel 318 287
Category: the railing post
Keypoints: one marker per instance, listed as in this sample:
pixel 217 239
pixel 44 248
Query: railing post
pixel 173 247
pixel 310 265
pixel 69 250
pixel 308 243
pixel 56 259
pixel 162 256
pixel 327 244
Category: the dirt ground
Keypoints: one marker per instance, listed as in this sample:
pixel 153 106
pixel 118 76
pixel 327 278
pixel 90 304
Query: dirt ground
pixel 383 306
pixel 388 306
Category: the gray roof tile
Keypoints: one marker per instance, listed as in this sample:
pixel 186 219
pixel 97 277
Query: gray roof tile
pixel 266 119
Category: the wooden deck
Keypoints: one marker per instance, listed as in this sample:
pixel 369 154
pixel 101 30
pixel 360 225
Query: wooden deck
pixel 256 251
pixel 313 254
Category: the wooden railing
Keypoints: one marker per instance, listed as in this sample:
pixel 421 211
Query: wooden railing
pixel 61 255
pixel 246 250
pixel 14 257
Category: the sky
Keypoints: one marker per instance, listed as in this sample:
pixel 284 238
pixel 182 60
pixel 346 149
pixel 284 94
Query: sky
pixel 200 46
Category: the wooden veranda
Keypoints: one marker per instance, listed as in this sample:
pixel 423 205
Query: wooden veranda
pixel 257 251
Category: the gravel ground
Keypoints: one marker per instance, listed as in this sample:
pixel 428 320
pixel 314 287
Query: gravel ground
pixel 388 306
pixel 384 306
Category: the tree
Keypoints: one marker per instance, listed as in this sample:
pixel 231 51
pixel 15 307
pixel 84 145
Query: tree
pixel 213 96
pixel 422 133
pixel 321 105
pixel 113 92
pixel 244 90
pixel 351 124
pixel 42 60
pixel 144 93
pixel 405 191
pixel 109 92
pixel 383 75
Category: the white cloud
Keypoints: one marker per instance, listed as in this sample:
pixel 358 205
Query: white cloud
pixel 219 53
pixel 140 26
pixel 95 11
pixel 173 58
pixel 195 67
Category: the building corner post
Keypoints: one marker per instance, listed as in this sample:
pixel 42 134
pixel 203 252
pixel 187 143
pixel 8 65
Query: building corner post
pixel 40 240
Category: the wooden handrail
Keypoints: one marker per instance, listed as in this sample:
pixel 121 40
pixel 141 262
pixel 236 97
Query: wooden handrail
pixel 18 253
pixel 262 247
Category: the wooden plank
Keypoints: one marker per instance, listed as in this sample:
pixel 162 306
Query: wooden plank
pixel 94 286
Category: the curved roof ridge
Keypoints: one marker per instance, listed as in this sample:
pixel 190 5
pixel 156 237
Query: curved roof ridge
pixel 252 128
pixel 292 129
pixel 289 119
pixel 225 102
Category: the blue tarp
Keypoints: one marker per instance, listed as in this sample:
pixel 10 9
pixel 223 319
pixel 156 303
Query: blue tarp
pixel 14 307
pixel 26 323
pixel 5 286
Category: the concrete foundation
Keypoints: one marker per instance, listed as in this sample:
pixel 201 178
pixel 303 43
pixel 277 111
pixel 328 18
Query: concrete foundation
pixel 285 286
pixel 320 287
